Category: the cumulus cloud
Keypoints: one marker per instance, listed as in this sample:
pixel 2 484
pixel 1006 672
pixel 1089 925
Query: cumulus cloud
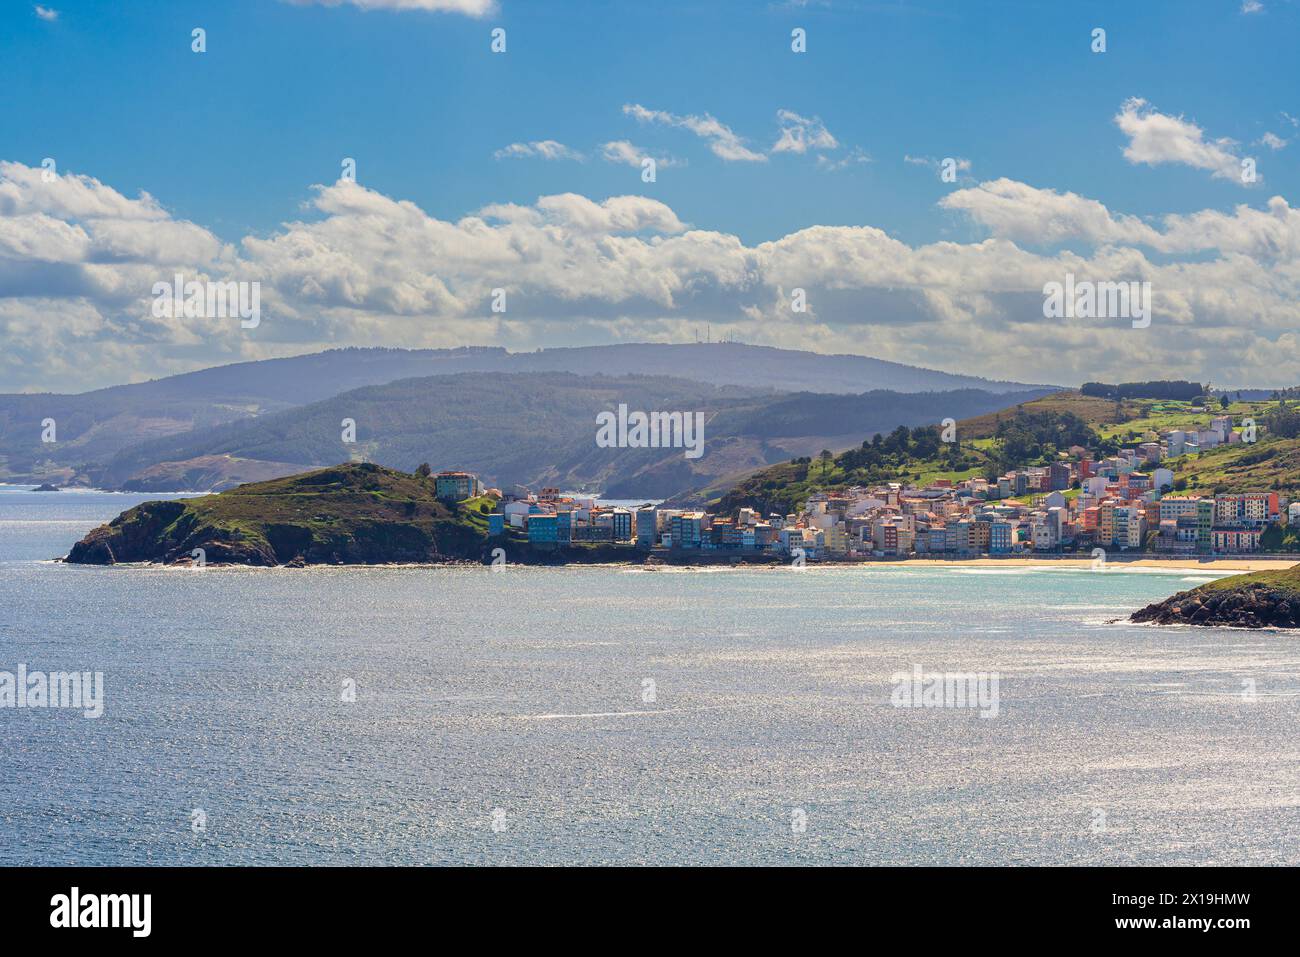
pixel 722 140
pixel 538 149
pixel 1022 213
pixel 1025 214
pixel 77 264
pixel 78 261
pixel 473 8
pixel 1156 138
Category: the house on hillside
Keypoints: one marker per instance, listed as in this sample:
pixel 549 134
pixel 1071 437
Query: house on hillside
pixel 456 486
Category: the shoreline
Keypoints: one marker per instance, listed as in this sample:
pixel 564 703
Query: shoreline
pixel 1216 565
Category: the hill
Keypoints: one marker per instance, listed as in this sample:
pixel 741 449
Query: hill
pixel 919 455
pixel 1270 463
pixel 349 514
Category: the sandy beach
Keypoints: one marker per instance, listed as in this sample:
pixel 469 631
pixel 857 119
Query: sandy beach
pixel 1241 564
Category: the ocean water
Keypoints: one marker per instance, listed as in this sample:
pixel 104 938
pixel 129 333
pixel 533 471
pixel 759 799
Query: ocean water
pixel 502 718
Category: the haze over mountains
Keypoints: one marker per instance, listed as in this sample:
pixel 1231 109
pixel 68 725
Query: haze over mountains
pixel 516 417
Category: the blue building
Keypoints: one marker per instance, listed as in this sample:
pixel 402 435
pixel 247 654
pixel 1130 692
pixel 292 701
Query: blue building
pixel 688 530
pixel 999 537
pixel 543 531
pixel 496 523
pixel 646 528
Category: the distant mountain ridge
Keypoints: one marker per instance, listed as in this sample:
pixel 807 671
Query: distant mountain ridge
pixel 534 429
pixel 734 363
pixel 93 427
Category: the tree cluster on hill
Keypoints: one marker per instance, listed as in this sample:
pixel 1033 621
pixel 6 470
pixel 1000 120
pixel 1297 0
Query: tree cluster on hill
pixel 899 449
pixel 1155 389
pixel 1284 421
pixel 1030 437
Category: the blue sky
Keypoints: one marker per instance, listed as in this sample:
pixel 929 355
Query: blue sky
pixel 233 140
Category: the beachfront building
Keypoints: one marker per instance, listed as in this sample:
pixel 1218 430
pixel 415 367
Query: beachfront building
pixel 688 529
pixel 1236 539
pixel 543 531
pixel 647 529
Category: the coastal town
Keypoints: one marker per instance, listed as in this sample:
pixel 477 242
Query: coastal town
pixel 1121 503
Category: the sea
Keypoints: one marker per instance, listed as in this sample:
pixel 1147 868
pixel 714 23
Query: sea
pixel 610 715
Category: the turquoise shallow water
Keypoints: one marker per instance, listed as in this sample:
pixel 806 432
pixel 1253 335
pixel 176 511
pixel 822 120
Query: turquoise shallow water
pixel 521 693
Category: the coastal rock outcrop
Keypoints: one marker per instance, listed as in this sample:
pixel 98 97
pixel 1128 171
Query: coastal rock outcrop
pixel 1258 600
pixel 354 514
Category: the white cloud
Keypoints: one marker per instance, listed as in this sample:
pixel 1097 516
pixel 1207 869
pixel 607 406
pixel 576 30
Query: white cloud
pixel 1251 6
pixel 1156 138
pixel 722 140
pixel 629 154
pixel 540 149
pixel 1021 213
pixel 800 134
pixel 77 264
pixel 621 151
pixel 853 157
pixel 960 165
pixel 27 189
pixel 77 220
pixel 1016 211
pixel 797 134
pixel 46 13
pixel 473 8
pixel 78 259
pixel 1272 141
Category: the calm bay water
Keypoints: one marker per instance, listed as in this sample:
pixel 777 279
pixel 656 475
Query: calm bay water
pixel 521 693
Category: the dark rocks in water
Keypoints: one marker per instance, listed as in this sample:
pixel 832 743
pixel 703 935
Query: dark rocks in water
pixel 1258 600
pixel 46 487
pixel 97 552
